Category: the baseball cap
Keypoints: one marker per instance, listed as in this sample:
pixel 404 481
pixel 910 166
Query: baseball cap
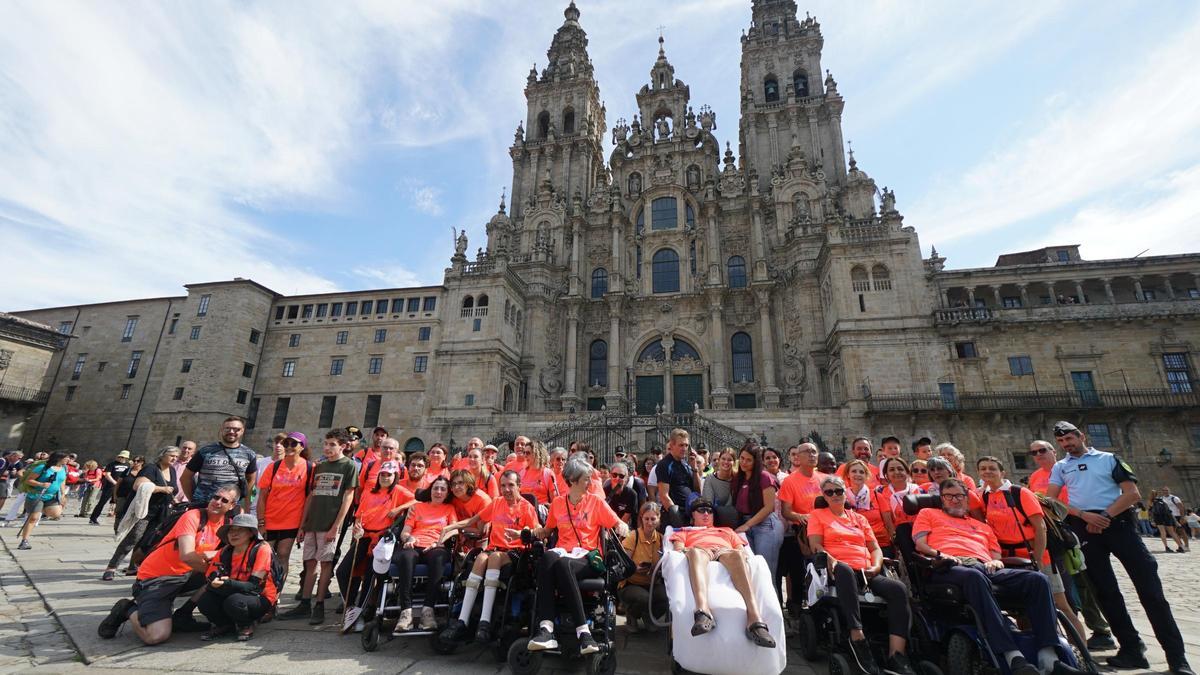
pixel 1062 428
pixel 390 467
pixel 297 436
pixel 924 440
pixel 490 448
pixel 379 429
pixel 355 433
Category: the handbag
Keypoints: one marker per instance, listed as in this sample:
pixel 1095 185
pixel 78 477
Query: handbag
pixel 617 558
pixel 818 584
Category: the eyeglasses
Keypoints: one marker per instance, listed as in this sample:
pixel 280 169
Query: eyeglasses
pixel 955 496
pixel 1038 451
pixel 220 500
pixel 920 472
pixel 457 483
pixel 834 492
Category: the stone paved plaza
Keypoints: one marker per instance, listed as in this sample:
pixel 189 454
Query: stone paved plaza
pixel 52 599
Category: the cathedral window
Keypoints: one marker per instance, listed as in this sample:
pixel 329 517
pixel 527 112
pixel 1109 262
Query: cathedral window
pixel 598 364
pixel 859 280
pixel 665 271
pixel 508 398
pixel 771 89
pixel 664 214
pixel 599 282
pixel 638 265
pixel 800 83
pixel 881 278
pixel 468 302
pixel 689 216
pixel 641 220
pixel 543 125
pixel 482 301
pixel 736 268
pixel 568 121
pixel 743 357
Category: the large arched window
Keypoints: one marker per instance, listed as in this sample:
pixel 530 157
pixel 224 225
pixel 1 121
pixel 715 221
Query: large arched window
pixel 598 364
pixel 543 125
pixel 664 214
pixel 743 358
pixel 800 83
pixel 665 271
pixel 468 302
pixel 656 352
pixel 737 272
pixel 568 121
pixel 482 301
pixel 859 280
pixel 507 405
pixel 414 444
pixel 771 89
pixel 881 277
pixel 599 282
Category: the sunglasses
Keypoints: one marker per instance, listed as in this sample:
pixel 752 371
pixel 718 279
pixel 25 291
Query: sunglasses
pixel 618 475
pixel 920 472
pixel 220 500
pixel 291 443
pixel 457 483
pixel 1038 451
pixel 834 492
pixel 702 509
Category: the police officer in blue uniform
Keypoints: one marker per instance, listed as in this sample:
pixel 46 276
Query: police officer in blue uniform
pixel 1103 491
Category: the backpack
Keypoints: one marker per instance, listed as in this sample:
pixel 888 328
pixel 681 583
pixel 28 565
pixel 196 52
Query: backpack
pixel 1059 538
pixel 35 471
pixel 1160 510
pixel 171 514
pixel 278 573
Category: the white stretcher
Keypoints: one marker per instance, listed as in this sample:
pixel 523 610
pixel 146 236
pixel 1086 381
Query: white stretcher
pixel 725 650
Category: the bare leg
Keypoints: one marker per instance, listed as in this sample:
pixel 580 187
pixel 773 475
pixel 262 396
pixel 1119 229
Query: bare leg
pixel 481 563
pixel 310 579
pixel 1162 534
pixel 283 551
pixel 323 586
pixel 698 560
pixel 156 633
pixel 738 564
pixel 30 523
pixel 1060 601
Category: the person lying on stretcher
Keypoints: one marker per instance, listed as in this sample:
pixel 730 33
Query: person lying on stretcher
pixel 703 543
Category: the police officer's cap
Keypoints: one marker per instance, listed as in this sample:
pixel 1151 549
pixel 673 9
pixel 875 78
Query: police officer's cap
pixel 1062 428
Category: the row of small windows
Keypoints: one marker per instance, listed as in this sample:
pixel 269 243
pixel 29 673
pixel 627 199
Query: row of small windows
pixel 337 365
pixel 771 86
pixel 343 336
pixel 361 308
pixel 471 301
pixel 283 406
pixel 879 278
pixel 665 273
pixel 543 123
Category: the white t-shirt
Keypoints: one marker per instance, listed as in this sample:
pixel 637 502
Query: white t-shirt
pixel 1173 503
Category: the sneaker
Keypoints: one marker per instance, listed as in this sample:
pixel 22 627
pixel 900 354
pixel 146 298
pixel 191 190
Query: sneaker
pixel 93 522
pixel 1181 667
pixel 300 611
pixel 542 639
pixel 108 575
pixel 130 571
pixel 1101 642
pixel 428 621
pixel 318 614
pixel 116 616
pixel 405 620
pixel 587 644
pixel 24 545
pixel 897 664
pixel 1128 659
pixel 216 632
pixel 483 633
pixel 186 623
pixel 861 651
pixel 1019 666
pixel 455 632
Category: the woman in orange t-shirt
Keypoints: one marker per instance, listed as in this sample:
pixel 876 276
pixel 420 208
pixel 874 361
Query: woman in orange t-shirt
pixel 282 489
pixel 919 470
pixel 863 498
pixel 849 544
pixel 378 508
pixel 536 477
pixel 485 481
pixel 437 461
pixel 241 590
pixel 422 541
pixel 468 500
pixel 893 488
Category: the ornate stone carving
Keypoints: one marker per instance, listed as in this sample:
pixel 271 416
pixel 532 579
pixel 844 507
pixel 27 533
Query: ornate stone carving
pixel 550 379
pixel 795 367
pixel 687 364
pixel 5 358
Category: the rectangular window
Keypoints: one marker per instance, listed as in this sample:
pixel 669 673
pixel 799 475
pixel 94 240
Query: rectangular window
pixel 397 305
pixel 79 363
pixel 242 395
pixel 336 365
pixel 745 401
pixel 279 312
pixel 294 340
pixel 289 367
pixel 948 395
pixel 414 304
pixel 420 363
pixel 281 411
pixel 367 305
pixel 1194 432
pixel 101 366
pixel 429 304
pixel 663 214
pixel 202 310
pixel 1021 461
pixel 1099 436
pixel 423 333
pixel 1179 374
pixel 195 333
pixel 375 366
pixel 293 311
pixel 469 400
pixel 247 369
pixel 252 414
pixel 306 312
pixel 1020 365
pixel 478 323
pixel 380 334
pixel 64 327
pixel 351 308
pixel 178 395
pixel 342 337
pixel 130 326
pixel 328 404
pixel 371 415
pixel 174 325
pixel 255 336
pixel 322 309
pixel 965 350
pixel 125 389
pixel 1064 256
pixel 1193 293
pixel 335 309
pixel 135 360
pixel 186 367
pixel 71 392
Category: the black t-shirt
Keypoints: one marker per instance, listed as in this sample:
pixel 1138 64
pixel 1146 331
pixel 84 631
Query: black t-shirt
pixel 155 475
pixel 117 470
pixel 625 503
pixel 124 489
pixel 677 476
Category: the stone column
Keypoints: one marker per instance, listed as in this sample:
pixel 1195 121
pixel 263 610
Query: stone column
pixel 1169 287
pixel 719 390
pixel 1053 293
pixel 570 395
pixel 971 297
pixel 770 391
pixel 1108 292
pixel 1079 292
pixel 996 297
pixel 1139 296
pixel 945 298
pixel 1024 288
pixel 612 397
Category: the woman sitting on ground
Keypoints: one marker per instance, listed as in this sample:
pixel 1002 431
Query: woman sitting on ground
pixel 848 542
pixel 421 541
pixel 240 590
pixel 505 518
pixel 577 516
pixel 644 546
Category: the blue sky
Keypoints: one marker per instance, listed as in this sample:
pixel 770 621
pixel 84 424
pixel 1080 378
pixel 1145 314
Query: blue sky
pixel 317 146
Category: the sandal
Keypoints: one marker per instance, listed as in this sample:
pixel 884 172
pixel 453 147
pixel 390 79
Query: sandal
pixel 760 635
pixel 215 632
pixel 245 633
pixel 702 623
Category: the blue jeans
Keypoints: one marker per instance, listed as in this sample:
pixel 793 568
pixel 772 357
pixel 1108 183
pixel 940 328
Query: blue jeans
pixel 765 540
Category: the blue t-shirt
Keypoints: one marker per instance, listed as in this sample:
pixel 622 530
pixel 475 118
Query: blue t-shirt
pixel 1093 478
pixel 48 493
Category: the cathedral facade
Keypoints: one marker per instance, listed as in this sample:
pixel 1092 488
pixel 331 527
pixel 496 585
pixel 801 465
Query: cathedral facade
pixel 765 283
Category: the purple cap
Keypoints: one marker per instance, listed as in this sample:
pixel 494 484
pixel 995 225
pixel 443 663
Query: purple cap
pixel 390 467
pixel 297 436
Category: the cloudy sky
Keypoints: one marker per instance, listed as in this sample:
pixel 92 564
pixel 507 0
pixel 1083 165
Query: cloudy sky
pixel 316 146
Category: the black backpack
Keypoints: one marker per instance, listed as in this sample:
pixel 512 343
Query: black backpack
pixel 1160 510
pixel 171 514
pixel 1059 538
pixel 278 573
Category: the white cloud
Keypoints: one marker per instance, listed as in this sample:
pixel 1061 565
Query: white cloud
pixel 386 274
pixel 425 198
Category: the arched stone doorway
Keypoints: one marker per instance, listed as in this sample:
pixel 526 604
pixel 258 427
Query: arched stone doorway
pixel 669 373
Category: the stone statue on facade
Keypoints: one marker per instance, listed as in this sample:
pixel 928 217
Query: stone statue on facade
pixel 460 244
pixel 664 129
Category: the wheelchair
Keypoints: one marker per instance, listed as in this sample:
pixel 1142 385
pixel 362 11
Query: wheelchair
pixel 945 622
pixel 599 604
pixel 386 607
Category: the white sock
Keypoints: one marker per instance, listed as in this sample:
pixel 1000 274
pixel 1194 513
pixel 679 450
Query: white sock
pixel 1047 657
pixel 580 630
pixel 489 596
pixel 1009 656
pixel 469 597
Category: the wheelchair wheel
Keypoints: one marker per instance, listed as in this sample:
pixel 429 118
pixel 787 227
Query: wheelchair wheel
pixel 441 646
pixel 807 636
pixel 1083 658
pixel 522 661
pixel 840 665
pixel 603 662
pixel 962 655
pixel 370 635
pixel 927 668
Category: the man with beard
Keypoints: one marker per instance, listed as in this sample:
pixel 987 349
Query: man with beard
pixel 225 462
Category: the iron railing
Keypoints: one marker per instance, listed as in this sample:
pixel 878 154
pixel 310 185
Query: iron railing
pixel 9 392
pixel 1039 400
pixel 604 431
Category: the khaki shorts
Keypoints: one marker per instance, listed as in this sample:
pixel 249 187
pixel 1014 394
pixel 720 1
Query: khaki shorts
pixel 1056 582
pixel 316 548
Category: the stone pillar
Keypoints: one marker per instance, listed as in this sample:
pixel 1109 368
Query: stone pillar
pixel 971 297
pixel 1108 292
pixel 770 391
pixel 612 398
pixel 996 297
pixel 1079 292
pixel 1053 293
pixel 570 395
pixel 1139 296
pixel 1024 288
pixel 1169 287
pixel 719 390
pixel 945 298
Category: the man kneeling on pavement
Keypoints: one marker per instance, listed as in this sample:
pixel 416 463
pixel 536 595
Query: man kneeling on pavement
pixel 174 568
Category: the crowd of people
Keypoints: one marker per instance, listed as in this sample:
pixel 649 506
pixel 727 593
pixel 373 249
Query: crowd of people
pixel 215 525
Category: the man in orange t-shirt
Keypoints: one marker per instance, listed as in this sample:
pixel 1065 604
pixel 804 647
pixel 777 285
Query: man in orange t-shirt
pixel 1044 456
pixel 967 554
pixel 802 487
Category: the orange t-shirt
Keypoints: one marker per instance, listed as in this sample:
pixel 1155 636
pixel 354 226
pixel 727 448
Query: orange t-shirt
pixel 438 470
pixel 1012 528
pixel 1040 480
pixel 367 454
pixel 964 536
pixel 491 486
pixel 872 469
pixel 708 538
pixel 285 502
pixel 968 481
pixel 800 491
pixel 425 481
pixel 164 560
pixel 869 507
pixel 427 521
pixel 458 463
pixel 500 516
pixel 240 571
pixel 893 502
pixel 844 538
pixel 540 483
pixel 586 518
pixel 374 506
pixel 370 475
pixel 472 505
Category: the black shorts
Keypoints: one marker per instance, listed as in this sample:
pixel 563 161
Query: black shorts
pixel 1166 521
pixel 155 597
pixel 279 535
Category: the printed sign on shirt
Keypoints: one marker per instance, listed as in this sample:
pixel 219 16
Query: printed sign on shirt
pixel 327 484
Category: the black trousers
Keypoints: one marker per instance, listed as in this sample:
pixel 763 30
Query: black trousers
pixel 845 579
pixel 406 560
pixel 238 609
pixel 1121 539
pixel 559 575
pixel 106 492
